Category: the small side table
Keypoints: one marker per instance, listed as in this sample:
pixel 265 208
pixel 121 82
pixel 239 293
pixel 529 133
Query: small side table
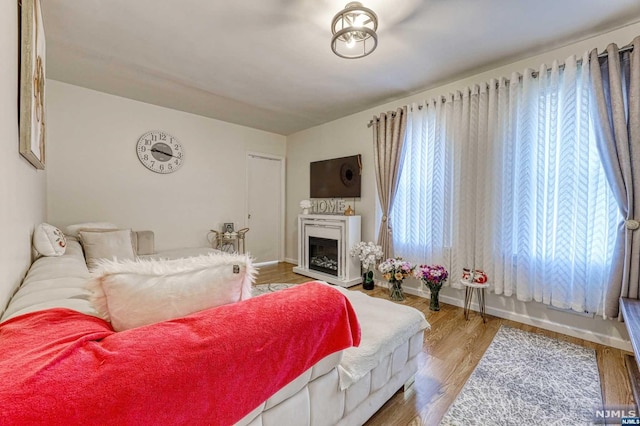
pixel 468 297
pixel 223 240
pixel 241 241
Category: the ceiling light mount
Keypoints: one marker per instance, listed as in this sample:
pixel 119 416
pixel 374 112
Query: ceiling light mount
pixel 354 31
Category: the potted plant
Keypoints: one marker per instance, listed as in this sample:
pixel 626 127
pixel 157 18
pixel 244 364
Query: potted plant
pixel 369 254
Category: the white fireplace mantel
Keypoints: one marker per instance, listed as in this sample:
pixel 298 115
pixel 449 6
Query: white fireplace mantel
pixel 344 229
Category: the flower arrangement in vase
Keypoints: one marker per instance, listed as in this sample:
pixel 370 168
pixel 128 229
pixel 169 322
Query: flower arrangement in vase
pixel 433 276
pixel 395 270
pixel 305 205
pixel 369 254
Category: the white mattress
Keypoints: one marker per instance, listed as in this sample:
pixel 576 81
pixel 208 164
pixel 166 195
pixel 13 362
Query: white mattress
pixel 180 253
pixel 380 335
pixel 54 282
pixel 315 397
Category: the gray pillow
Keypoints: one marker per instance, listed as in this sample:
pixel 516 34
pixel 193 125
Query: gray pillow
pixel 106 244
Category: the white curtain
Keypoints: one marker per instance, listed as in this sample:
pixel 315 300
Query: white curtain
pixel 423 199
pixel 505 177
pixel 561 232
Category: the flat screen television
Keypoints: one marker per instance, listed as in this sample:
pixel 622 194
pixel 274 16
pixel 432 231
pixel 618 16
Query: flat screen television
pixel 336 178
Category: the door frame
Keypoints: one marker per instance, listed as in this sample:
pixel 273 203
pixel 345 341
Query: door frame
pixel 282 160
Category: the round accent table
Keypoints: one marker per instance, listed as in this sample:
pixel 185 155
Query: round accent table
pixel 468 297
pixel 231 242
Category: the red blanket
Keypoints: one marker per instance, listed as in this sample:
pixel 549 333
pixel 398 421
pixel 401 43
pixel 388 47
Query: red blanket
pixel 59 366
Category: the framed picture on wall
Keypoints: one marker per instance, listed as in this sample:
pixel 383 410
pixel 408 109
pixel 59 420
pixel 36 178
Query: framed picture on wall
pixel 32 82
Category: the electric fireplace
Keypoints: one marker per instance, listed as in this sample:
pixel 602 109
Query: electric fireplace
pixel 324 242
pixel 323 255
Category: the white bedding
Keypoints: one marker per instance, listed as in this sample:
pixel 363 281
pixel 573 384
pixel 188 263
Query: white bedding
pixel 383 335
pixel 54 282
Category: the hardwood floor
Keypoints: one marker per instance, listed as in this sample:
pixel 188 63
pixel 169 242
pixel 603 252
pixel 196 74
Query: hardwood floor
pixel 452 349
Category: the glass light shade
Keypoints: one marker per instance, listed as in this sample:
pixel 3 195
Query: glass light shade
pixel 354 31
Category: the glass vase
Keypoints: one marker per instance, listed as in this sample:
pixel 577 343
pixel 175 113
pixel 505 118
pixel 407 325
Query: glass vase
pixel 434 305
pixel 396 293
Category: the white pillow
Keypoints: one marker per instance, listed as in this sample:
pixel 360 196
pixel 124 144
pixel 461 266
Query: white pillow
pixel 132 294
pixel 73 230
pixel 107 244
pixel 49 240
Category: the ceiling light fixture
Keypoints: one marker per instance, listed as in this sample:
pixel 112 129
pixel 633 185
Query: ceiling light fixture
pixel 354 31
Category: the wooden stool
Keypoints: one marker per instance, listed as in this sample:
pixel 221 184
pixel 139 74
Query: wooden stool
pixel 468 297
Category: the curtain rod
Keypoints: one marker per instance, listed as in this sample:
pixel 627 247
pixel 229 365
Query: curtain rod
pixel 627 48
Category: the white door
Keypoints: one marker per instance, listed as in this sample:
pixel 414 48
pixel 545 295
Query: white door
pixel 265 179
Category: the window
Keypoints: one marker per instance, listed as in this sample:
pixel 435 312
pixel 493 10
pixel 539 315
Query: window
pixel 507 178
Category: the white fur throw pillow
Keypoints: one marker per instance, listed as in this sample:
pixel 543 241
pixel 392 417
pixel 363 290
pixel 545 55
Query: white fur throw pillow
pixel 136 293
pixel 49 240
pixel 73 230
pixel 106 244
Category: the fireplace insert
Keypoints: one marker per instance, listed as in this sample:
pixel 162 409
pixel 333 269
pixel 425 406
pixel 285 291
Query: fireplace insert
pixel 323 255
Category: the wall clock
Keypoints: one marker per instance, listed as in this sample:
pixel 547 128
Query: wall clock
pixel 160 152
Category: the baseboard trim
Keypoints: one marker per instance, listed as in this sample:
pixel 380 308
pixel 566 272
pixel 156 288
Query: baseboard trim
pixel 290 260
pixel 583 334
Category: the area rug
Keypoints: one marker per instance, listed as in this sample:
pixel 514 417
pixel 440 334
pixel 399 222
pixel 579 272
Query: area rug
pixel 259 289
pixel 528 379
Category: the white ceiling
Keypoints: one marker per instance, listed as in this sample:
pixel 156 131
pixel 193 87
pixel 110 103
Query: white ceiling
pixel 267 64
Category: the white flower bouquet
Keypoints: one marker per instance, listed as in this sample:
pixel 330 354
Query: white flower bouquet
pixel 305 204
pixel 368 253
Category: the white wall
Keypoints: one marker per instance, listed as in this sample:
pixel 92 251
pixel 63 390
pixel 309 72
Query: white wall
pixel 22 187
pixel 339 138
pixel 94 173
pixel 350 135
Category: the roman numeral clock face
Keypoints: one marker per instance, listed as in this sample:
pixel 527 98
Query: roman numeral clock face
pixel 160 152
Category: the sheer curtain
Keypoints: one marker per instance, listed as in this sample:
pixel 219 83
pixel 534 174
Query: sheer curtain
pixel 558 240
pixel 506 177
pixel 423 199
pixel 434 210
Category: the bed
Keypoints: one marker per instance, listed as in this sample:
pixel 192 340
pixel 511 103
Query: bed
pixel 269 360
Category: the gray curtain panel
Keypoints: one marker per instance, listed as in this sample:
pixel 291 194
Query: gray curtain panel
pixel 616 87
pixel 388 138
